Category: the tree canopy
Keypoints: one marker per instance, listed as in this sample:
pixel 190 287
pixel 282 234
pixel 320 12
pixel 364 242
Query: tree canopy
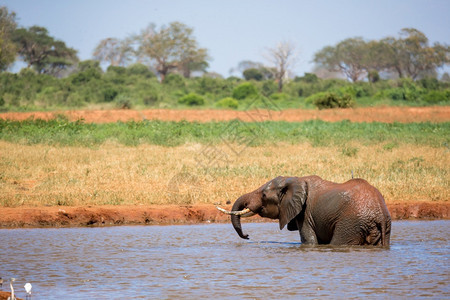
pixel 411 56
pixel 347 56
pixel 408 56
pixel 42 52
pixel 171 48
pixel 7 46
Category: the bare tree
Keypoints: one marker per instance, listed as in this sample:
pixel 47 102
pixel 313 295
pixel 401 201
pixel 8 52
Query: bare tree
pixel 116 52
pixel 282 58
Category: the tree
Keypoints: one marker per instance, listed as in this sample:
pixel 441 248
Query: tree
pixel 411 56
pixel 7 47
pixel 43 52
pixel 252 70
pixel 377 59
pixel 116 52
pixel 445 77
pixel 171 48
pixel 193 60
pixel 348 56
pixel 282 58
pixel 245 65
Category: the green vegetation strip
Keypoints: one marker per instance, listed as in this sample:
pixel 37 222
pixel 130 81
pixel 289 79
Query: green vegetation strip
pixel 318 133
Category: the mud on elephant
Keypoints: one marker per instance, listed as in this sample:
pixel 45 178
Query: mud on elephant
pixel 324 212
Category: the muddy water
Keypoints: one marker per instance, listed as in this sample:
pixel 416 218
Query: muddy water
pixel 154 262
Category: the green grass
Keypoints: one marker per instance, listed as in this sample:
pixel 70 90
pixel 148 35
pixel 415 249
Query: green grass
pixel 166 133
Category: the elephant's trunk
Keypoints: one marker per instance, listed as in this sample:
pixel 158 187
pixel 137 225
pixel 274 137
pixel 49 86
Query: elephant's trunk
pixel 236 219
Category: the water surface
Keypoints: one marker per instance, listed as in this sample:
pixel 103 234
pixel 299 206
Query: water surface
pixel 173 262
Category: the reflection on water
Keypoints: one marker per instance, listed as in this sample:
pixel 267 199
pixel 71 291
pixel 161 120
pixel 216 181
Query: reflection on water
pixel 211 260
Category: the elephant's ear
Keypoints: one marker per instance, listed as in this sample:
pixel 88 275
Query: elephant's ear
pixel 293 197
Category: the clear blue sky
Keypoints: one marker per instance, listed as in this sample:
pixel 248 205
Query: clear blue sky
pixel 236 30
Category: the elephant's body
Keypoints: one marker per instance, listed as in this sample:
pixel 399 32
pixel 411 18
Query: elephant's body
pixel 324 212
pixel 350 213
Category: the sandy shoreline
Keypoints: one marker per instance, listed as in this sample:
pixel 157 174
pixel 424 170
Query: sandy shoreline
pixel 65 216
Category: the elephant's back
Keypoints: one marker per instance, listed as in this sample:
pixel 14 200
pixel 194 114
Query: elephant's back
pixel 355 198
pixel 366 198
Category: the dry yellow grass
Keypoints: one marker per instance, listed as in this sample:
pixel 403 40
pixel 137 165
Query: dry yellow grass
pixel 190 174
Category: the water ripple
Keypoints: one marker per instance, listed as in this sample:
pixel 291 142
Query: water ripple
pixel 172 262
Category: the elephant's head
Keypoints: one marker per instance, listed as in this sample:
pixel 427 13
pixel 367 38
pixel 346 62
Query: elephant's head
pixel 281 198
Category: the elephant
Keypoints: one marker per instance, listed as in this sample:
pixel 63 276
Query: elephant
pixel 324 212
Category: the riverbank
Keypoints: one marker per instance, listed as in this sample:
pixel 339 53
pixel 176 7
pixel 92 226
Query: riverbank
pixel 76 216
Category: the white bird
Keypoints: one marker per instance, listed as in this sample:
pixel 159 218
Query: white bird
pixel 28 287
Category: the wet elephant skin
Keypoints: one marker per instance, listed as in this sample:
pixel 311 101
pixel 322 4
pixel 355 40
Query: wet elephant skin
pixel 324 212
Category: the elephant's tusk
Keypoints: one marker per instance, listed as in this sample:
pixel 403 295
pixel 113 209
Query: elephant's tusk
pixel 244 213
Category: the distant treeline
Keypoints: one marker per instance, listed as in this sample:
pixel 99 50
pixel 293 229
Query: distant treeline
pixel 137 87
pixel 165 67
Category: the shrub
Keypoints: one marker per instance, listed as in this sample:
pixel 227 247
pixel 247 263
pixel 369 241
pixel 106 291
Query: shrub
pixel 140 70
pixel 395 94
pixel 331 100
pixel 233 79
pixel 253 73
pixel 308 77
pixel 429 83
pixel 75 99
pixel 207 84
pixel 244 90
pixel 85 76
pixel 269 87
pixel 11 99
pixel 116 69
pixel 363 89
pixel 51 96
pixel 279 97
pixel 347 90
pixel 406 91
pixel 124 102
pixel 174 80
pixel 412 94
pixel 228 102
pixel 437 96
pixel 192 99
pixel 109 93
pixel 150 96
